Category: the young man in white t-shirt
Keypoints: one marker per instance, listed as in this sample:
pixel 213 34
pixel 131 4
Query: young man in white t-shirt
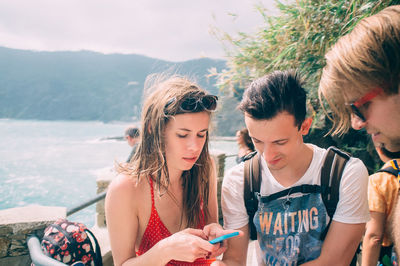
pixel 289 228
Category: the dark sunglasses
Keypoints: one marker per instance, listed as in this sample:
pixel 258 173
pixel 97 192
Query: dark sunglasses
pixel 356 105
pixel 196 103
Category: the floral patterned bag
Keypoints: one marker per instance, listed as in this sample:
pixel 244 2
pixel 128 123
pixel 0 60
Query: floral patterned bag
pixel 69 243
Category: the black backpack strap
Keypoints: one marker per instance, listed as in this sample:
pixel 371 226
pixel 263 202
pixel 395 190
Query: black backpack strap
pixel 389 170
pixel 251 188
pixel 331 174
pixel 98 260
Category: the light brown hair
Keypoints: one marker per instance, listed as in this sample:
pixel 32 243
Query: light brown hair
pixel 149 161
pixel 367 57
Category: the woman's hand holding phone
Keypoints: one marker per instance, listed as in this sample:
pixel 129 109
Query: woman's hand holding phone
pixel 223 237
pixel 218 236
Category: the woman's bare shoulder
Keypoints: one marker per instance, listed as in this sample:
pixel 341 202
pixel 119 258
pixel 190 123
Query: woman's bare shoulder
pixel 127 187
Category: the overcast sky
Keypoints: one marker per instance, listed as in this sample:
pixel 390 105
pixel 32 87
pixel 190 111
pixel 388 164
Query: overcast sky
pixel 174 30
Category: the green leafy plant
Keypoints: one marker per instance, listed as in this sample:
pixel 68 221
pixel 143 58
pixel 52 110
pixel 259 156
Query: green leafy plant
pixel 297 38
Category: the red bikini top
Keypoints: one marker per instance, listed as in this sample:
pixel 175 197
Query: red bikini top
pixel 156 231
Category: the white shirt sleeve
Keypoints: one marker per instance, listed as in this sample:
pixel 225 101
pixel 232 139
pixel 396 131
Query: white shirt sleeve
pixel 232 202
pixel 353 197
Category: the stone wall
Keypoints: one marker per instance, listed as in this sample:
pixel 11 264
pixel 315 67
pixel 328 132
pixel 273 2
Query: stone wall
pixel 219 158
pixel 103 180
pixel 15 226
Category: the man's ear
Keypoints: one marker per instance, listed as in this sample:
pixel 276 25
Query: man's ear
pixel 306 125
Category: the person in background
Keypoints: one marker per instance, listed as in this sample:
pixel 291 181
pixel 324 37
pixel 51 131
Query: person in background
pixel 245 144
pixel 361 84
pixel 158 205
pixel 383 189
pixel 290 225
pixel 132 137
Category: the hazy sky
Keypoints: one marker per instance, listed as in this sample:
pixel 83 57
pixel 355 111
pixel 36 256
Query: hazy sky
pixel 173 30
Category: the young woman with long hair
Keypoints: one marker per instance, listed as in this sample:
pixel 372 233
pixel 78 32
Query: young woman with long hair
pixel 158 205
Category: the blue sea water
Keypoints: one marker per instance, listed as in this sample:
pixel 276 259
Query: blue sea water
pixel 56 163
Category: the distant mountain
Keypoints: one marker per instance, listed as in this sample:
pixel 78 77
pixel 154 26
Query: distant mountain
pixel 83 85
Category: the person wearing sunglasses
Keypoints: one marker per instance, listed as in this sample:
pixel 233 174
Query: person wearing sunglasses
pixel 291 221
pixel 158 205
pixel 361 79
pixel 361 84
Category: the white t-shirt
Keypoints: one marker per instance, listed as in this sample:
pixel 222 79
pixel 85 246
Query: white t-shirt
pixel 352 207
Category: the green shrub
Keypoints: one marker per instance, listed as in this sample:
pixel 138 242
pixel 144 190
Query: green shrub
pixel 298 38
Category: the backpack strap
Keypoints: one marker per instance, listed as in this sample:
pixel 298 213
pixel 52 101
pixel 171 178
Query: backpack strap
pixel 391 169
pixel 98 260
pixel 251 188
pixel 61 230
pixel 331 174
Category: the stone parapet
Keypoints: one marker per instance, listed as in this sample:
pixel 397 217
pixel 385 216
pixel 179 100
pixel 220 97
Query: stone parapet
pixel 219 159
pixel 15 226
pixel 103 180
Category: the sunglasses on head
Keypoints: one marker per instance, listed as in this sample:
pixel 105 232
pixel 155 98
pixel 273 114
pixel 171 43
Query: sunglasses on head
pixel 196 103
pixel 356 105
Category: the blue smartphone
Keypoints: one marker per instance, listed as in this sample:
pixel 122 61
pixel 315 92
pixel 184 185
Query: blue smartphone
pixel 222 238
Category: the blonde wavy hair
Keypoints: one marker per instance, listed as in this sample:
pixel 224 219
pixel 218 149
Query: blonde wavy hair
pixel 162 103
pixel 366 58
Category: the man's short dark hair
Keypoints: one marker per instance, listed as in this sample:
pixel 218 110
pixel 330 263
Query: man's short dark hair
pixel 132 132
pixel 275 93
